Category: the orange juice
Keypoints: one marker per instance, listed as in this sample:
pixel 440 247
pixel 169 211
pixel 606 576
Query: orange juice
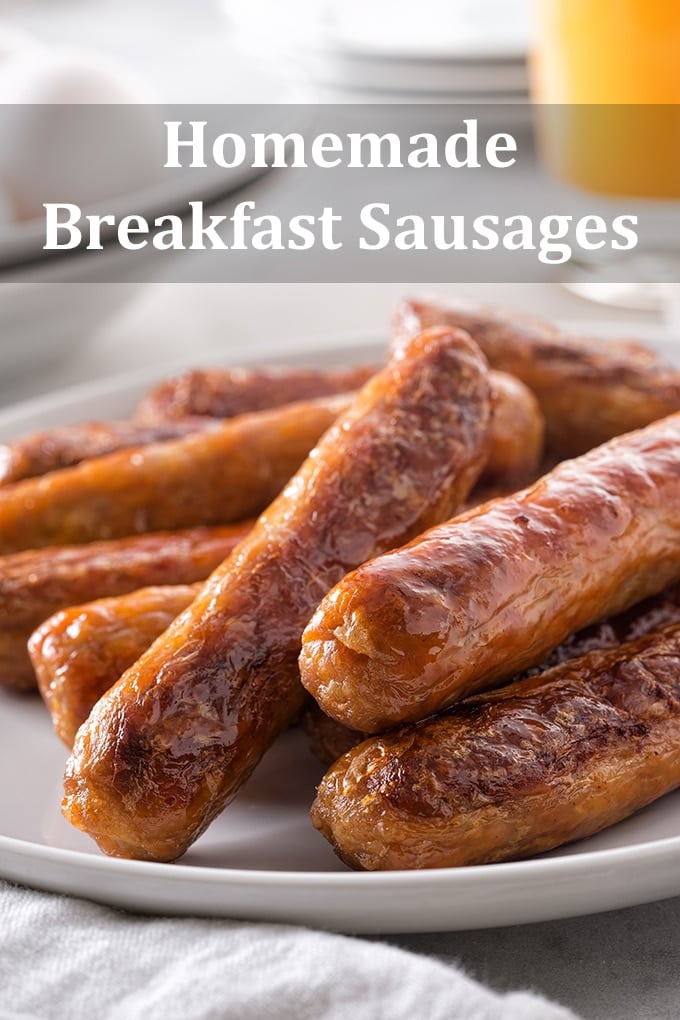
pixel 614 66
pixel 608 51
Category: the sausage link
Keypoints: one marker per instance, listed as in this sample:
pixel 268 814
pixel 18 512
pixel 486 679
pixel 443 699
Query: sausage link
pixel 78 653
pixel 36 583
pixel 515 443
pixel 211 478
pixel 329 739
pixel 516 772
pixel 589 389
pixel 169 745
pixel 56 448
pixel 490 593
pixel 227 392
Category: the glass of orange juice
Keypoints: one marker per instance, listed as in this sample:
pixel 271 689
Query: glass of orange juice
pixel 613 66
pixel 606 81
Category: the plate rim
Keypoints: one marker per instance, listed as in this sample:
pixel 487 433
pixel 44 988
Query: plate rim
pixel 658 848
pixel 332 343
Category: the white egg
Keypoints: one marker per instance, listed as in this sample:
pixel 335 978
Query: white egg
pixel 74 127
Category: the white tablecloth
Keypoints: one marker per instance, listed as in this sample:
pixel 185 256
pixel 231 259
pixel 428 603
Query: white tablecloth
pixel 66 959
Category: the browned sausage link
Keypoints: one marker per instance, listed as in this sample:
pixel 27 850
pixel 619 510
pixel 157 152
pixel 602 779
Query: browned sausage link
pixel 642 618
pixel 80 652
pixel 589 389
pixel 490 593
pixel 548 760
pixel 329 739
pixel 36 583
pixel 67 445
pixel 170 744
pixel 516 438
pixel 224 393
pixel 515 445
pixel 214 477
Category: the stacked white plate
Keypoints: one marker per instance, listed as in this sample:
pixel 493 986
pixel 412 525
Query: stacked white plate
pixel 431 51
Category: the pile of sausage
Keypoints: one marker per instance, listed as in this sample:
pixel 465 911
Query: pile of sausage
pixel 493 670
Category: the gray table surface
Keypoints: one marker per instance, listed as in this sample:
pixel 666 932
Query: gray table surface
pixel 620 965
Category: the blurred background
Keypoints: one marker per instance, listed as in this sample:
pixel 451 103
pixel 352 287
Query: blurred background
pixel 55 331
pixel 215 49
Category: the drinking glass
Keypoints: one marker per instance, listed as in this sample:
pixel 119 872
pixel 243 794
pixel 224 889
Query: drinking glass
pixel 606 80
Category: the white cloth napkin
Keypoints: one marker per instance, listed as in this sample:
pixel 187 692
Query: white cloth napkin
pixel 67 958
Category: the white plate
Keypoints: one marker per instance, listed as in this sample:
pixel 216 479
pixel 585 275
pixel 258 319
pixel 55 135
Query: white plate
pixel 262 859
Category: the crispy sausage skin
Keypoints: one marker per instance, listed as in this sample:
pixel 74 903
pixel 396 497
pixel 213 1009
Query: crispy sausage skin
pixel 36 583
pixel 78 653
pixel 173 409
pixel 61 447
pixel 480 598
pixel 590 390
pixel 517 428
pixel 226 392
pixel 169 745
pixel 515 772
pixel 329 739
pixel 214 477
